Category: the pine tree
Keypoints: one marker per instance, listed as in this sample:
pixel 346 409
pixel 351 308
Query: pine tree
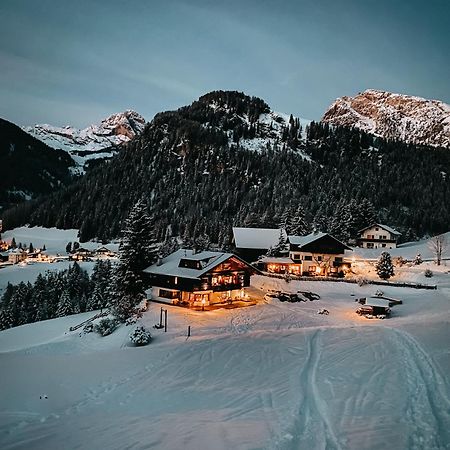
pixel 6 318
pixel 13 243
pixel 297 225
pixel 65 307
pixel 138 249
pixel 384 266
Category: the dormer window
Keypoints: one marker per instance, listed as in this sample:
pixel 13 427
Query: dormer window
pixel 189 263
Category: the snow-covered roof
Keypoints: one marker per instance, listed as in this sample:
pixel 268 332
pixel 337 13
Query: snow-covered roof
pixel 257 238
pixel 377 302
pixel 385 227
pixel 307 239
pixel 312 237
pixel 276 260
pixel 170 264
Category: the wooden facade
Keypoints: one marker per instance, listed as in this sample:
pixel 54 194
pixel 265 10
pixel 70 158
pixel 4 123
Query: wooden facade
pixel 189 280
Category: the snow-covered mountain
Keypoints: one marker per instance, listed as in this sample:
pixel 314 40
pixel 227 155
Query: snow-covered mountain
pixel 394 116
pixel 98 141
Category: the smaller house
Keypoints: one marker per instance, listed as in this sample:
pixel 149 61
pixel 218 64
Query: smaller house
pixel 318 254
pixel 251 243
pixel 200 279
pixel 378 236
pixel 104 252
pixel 315 254
pixel 17 256
pixel 81 254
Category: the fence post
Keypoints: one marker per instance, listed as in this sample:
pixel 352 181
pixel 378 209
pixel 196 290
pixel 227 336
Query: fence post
pixel 165 320
pixel 189 331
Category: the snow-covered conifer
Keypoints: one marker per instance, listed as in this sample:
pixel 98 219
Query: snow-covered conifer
pixel 384 266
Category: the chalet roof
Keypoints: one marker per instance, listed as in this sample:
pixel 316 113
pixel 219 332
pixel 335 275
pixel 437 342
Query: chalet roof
pixel 170 264
pixel 301 241
pixel 385 227
pixel 257 238
pixel 276 260
pixel 103 250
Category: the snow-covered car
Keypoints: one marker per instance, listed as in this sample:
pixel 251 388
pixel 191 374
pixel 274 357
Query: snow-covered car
pixel 271 296
pixel 309 295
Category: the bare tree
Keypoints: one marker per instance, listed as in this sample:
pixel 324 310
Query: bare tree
pixel 438 245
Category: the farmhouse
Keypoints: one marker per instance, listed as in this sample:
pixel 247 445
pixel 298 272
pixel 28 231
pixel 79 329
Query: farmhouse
pixel 378 236
pixel 198 279
pixel 316 254
pixel 250 243
pixel 17 256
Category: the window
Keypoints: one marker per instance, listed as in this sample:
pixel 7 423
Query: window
pixel 370 245
pixel 376 229
pixel 295 256
pixel 189 263
pixel 338 259
pixel 164 293
pixel 319 258
pixel 307 257
pixel 383 245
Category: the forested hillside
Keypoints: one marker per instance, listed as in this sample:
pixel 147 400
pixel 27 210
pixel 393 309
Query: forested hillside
pixel 228 160
pixel 28 167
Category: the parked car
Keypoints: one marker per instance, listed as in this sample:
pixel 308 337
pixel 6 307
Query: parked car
pixel 271 296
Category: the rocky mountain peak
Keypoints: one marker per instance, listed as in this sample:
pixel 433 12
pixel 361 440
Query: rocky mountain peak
pixel 394 116
pixel 97 141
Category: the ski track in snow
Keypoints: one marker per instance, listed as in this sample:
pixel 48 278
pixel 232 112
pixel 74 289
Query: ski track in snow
pixel 311 426
pixel 428 406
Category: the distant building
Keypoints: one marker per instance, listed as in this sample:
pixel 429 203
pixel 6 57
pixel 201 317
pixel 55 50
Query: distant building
pixel 104 252
pixel 378 236
pixel 198 279
pixel 251 243
pixel 17 256
pixel 315 254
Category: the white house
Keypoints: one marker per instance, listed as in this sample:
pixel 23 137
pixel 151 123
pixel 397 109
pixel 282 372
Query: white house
pixel 315 254
pixel 318 254
pixel 378 236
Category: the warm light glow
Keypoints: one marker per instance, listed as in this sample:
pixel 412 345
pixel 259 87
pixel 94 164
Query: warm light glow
pixel 318 269
pixel 203 301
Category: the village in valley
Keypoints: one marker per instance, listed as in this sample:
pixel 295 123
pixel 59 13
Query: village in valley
pixel 200 323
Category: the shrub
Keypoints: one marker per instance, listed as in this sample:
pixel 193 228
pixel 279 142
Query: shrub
pixel 428 273
pixel 131 320
pixel 106 326
pixel 140 336
pixel 362 281
pixel 88 328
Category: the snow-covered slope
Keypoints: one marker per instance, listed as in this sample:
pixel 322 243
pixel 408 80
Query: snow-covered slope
pixel 394 116
pixel 94 142
pixel 272 376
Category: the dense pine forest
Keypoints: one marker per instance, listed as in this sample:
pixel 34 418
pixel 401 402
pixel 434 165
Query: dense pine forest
pixel 195 170
pixel 28 167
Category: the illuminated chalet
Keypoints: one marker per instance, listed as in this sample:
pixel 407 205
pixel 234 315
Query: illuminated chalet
pixel 198 279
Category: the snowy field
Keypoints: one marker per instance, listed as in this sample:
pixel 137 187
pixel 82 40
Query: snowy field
pixel 272 376
pixel 55 240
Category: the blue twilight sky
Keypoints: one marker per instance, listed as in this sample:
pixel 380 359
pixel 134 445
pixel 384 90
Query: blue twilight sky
pixel 76 62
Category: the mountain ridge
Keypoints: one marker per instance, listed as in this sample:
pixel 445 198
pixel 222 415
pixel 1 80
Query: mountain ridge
pixel 408 118
pixel 198 174
pixel 97 141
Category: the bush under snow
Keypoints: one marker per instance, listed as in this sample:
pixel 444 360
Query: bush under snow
pixel 106 326
pixel 140 336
